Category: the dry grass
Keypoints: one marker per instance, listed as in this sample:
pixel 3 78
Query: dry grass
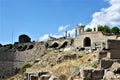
pixel 64 67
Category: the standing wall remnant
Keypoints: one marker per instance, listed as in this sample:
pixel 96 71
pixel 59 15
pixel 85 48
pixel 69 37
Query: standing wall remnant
pixel 24 38
pixel 114 49
pixel 12 60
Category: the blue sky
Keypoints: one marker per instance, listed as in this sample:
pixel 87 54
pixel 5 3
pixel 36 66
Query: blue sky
pixel 38 18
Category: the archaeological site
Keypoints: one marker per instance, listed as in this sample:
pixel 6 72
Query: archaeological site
pixel 91 55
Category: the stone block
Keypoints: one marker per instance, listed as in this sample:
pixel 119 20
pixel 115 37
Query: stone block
pixel 105 64
pixel 34 78
pixel 44 77
pixel 102 54
pixel 115 54
pixel 97 74
pixel 86 73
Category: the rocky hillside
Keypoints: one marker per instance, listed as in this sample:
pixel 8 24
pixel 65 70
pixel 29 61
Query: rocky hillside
pixel 61 60
pixel 69 64
pixel 62 64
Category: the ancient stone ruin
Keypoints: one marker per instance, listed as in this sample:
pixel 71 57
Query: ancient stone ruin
pixel 24 38
pixel 95 56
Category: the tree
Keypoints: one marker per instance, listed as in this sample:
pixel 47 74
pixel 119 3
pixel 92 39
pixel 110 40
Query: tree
pixel 100 28
pixel 115 30
pixel 88 30
pixel 23 69
pixel 106 29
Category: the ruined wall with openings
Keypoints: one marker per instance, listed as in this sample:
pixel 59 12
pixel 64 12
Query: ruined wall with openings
pixel 96 38
pixel 18 55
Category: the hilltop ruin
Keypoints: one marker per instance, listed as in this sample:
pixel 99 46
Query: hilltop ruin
pixel 105 46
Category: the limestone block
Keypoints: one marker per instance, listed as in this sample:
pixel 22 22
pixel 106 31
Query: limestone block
pixel 44 77
pixel 97 74
pixel 53 78
pixel 86 74
pixel 105 64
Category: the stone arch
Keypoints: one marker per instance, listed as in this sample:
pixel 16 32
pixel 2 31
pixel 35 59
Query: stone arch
pixel 54 45
pixel 87 42
pixel 64 44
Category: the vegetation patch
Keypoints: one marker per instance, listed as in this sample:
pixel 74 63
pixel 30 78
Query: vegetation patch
pixel 94 65
pixel 23 69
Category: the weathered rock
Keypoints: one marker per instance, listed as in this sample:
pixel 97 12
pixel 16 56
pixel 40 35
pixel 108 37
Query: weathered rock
pixel 71 56
pixel 53 78
pixel 90 74
pixel 75 71
pixel 42 73
pixel 68 49
pixel 97 74
pixel 62 77
pixel 59 59
pixel 34 77
pixel 115 67
pixel 102 54
pixel 105 64
pixel 44 77
pixel 109 75
pixel 71 78
pixel 86 73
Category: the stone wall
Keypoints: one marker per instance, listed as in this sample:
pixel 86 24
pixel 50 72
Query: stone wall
pixel 91 74
pixel 6 63
pixel 95 37
pixel 60 43
pixel 114 49
pixel 11 61
pixel 105 64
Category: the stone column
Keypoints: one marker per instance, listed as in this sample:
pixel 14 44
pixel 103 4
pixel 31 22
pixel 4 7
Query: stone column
pixel 97 29
pixel 82 28
pixel 76 32
pixel 93 29
pixel 66 34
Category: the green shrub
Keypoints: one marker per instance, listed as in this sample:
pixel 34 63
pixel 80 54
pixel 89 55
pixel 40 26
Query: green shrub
pixel 23 69
pixel 94 65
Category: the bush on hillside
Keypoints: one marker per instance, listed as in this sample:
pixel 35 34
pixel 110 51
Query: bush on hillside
pixel 23 69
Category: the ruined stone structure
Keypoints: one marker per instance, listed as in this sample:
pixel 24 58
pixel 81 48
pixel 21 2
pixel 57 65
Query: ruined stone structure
pixel 24 38
pixel 79 29
pixel 94 39
pixel 14 56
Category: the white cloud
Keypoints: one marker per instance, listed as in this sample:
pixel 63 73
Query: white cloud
pixel 57 36
pixel 62 28
pixel 72 33
pixel 107 16
pixel 44 38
